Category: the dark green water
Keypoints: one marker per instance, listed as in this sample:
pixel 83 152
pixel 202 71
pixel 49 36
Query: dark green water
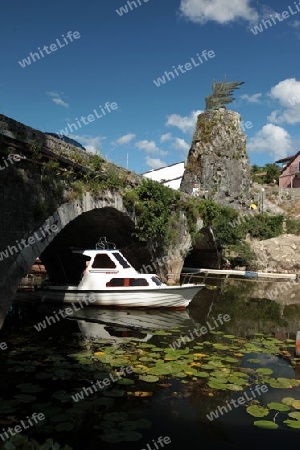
pixel 41 370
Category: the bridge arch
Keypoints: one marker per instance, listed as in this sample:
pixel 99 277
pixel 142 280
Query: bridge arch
pixel 77 223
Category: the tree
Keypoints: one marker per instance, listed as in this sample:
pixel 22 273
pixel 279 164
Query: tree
pixel 273 173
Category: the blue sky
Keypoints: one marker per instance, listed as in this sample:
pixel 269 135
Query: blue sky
pixel 115 59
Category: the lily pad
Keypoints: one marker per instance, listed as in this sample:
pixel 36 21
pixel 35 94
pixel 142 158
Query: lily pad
pixel 296 404
pixel 257 410
pixel 120 436
pixel 295 415
pixel 66 426
pixel 278 406
pixel 292 423
pixel 115 416
pixel 114 393
pixel 267 424
pixel 264 371
pixel 149 378
pixel 288 400
pixel 29 388
pixel 25 398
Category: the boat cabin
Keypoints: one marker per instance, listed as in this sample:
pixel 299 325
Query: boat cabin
pixel 108 268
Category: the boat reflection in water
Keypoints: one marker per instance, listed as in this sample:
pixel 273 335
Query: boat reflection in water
pixel 120 325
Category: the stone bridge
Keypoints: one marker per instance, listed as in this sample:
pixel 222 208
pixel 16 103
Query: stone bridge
pixel 55 196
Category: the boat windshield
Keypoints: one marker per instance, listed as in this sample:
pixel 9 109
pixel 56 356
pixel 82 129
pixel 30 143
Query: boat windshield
pixel 121 260
pixel 156 281
pixel 103 261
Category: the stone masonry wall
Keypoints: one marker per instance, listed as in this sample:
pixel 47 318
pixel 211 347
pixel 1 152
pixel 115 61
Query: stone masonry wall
pixel 217 162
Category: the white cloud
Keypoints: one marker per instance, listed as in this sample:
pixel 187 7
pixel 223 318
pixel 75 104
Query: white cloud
pixel 255 98
pixel 155 163
pixel 272 139
pixel 56 98
pixel 123 140
pixel 221 11
pixel 295 23
pixel 166 137
pixel 185 123
pixel 92 144
pixel 287 93
pixel 150 147
pixel 180 144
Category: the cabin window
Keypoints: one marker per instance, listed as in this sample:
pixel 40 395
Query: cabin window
pixel 103 261
pixel 138 282
pixel 115 282
pixel 156 281
pixel 298 166
pixel 121 260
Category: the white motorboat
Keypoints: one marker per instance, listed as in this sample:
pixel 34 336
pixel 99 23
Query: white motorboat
pixel 110 280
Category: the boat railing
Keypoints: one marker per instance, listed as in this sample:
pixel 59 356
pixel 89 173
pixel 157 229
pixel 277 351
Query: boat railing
pixel 187 276
pixel 103 244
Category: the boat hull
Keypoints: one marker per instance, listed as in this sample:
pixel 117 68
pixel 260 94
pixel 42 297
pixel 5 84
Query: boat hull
pixel 176 297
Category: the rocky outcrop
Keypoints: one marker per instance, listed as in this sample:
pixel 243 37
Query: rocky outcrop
pixel 279 254
pixel 217 165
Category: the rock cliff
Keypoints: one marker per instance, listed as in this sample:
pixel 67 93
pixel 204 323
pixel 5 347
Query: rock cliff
pixel 217 165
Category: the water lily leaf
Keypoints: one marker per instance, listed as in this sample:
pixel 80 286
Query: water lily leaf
pixel 253 360
pixel 114 393
pixel 126 381
pixel 234 387
pixel 120 436
pixel 264 371
pixel 115 416
pixel 278 406
pixel 207 366
pixel 257 410
pixel 64 427
pixel 149 378
pixel 129 425
pixel 292 423
pixel 214 384
pixel 43 375
pixel 202 374
pixel 63 396
pixel 230 359
pixel 60 417
pixel 229 336
pixel 29 387
pixel 281 383
pixel 296 404
pixel 63 374
pixel 104 401
pixel 8 406
pixel 266 424
pixel 288 400
pixel 25 398
pixel 295 415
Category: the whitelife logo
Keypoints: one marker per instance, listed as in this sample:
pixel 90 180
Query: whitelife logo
pixel 88 119
pixel 35 417
pixel 188 66
pixel 39 235
pixel 64 313
pixel 101 384
pixel 260 389
pixel 200 331
pixel 53 47
pixel 278 16
pixel 124 9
